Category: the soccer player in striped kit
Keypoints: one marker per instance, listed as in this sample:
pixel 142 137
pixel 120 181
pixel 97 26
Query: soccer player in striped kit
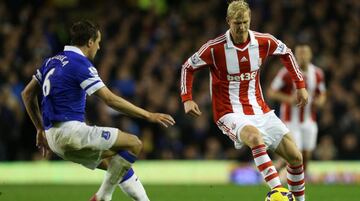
pixel 300 121
pixel 234 60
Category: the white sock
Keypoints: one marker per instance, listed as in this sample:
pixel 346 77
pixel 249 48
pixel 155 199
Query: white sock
pixel 118 167
pixel 134 189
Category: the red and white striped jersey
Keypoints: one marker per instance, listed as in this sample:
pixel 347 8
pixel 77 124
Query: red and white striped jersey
pixel 315 85
pixel 234 72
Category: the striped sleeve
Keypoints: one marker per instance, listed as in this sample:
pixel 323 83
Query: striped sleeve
pixel 200 59
pixel 288 59
pixel 38 76
pixel 90 80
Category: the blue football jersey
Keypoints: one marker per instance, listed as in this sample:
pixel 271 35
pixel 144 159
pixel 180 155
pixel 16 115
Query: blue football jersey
pixel 65 80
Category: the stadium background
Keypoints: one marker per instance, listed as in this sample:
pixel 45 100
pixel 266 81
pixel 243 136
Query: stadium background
pixel 143 47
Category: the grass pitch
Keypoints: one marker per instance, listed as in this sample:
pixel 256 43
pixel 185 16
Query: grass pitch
pixel 173 193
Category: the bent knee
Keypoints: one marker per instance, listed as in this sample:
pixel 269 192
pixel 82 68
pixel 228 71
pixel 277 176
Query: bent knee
pixel 128 142
pixel 251 136
pixel 136 145
pixel 296 159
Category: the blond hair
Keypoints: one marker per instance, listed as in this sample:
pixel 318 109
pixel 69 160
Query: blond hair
pixel 237 8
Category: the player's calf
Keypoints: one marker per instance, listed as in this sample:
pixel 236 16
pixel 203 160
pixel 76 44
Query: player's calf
pixel 118 167
pixel 295 158
pixel 132 187
pixel 252 137
pixel 296 181
pixel 295 171
pixel 127 148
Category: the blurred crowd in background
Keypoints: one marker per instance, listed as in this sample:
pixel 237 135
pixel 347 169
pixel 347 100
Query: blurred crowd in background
pixel 144 44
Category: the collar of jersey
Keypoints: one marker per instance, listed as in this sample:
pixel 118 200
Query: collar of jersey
pixel 230 44
pixel 73 49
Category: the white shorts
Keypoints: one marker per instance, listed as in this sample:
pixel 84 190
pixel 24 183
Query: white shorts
pixel 77 142
pixel 270 126
pixel 305 134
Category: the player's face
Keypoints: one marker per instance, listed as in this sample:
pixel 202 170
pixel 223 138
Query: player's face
pixel 303 55
pixel 240 24
pixel 95 45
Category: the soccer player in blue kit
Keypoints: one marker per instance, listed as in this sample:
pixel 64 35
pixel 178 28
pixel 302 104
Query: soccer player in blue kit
pixel 64 80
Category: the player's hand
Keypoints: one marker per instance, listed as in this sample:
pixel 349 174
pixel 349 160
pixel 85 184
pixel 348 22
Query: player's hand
pixel 163 119
pixel 41 142
pixel 191 108
pixel 302 97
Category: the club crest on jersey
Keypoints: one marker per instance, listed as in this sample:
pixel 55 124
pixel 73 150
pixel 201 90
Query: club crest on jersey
pixel 105 135
pixel 281 47
pixel 195 58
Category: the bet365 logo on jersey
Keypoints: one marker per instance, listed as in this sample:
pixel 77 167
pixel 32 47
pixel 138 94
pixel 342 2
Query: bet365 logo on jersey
pixel 242 77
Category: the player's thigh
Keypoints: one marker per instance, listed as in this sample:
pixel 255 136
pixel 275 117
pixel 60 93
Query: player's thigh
pixel 125 141
pixel 231 125
pixel 288 150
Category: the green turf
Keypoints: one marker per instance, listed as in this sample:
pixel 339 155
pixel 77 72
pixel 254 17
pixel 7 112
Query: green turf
pixel 173 193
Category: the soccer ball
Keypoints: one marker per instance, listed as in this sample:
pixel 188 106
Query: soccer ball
pixel 280 194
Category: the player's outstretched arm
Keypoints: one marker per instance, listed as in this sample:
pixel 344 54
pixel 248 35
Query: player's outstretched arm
pixel 191 108
pixel 130 109
pixel 29 97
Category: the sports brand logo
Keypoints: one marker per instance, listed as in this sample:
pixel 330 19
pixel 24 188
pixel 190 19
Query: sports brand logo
pixel 244 59
pixel 233 126
pixel 269 171
pixel 105 135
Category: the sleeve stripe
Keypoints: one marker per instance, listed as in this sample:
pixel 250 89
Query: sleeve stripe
pixel 295 66
pixel 210 43
pixel 213 58
pixel 183 78
pixel 267 53
pixel 36 79
pixel 85 84
pixel 38 76
pixel 90 85
pixel 269 36
pixel 94 87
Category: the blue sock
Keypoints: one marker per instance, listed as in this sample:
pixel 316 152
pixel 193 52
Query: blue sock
pixel 127 156
pixel 127 175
